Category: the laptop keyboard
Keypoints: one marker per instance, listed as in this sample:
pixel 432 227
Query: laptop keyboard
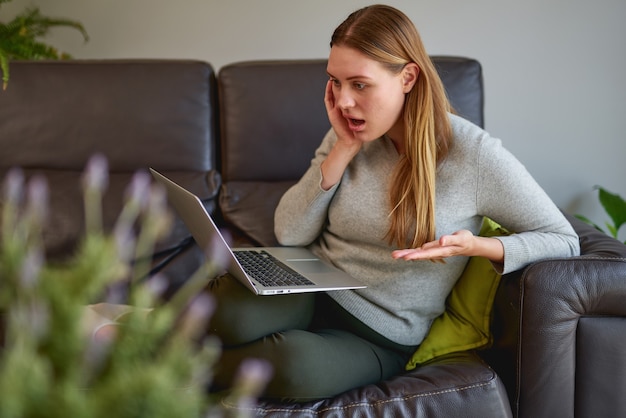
pixel 268 271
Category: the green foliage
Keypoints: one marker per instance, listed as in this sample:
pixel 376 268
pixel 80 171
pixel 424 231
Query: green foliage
pixel 20 38
pixel 69 348
pixel 615 206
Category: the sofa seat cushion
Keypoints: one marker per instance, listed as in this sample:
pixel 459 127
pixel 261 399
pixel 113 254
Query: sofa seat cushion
pixel 453 383
pixel 65 224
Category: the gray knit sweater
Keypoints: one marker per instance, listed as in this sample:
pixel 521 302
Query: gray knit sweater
pixel 346 225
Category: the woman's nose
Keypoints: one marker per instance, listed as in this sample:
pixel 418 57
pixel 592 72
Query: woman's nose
pixel 344 99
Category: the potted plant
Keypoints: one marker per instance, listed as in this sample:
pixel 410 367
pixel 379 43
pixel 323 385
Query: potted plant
pixel 73 345
pixel 615 206
pixel 20 38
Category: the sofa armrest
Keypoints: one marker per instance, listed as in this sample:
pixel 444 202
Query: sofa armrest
pixel 554 296
pixel 561 321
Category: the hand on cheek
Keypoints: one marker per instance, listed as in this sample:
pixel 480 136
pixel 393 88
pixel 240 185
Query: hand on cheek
pixel 337 121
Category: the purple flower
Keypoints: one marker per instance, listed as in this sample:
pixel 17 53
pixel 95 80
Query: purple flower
pixel 38 199
pixel 14 186
pixel 96 175
pixel 138 189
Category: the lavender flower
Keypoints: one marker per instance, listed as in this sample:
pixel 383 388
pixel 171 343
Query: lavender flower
pixel 13 195
pixel 14 186
pixel 252 376
pixel 96 175
pixel 31 268
pixel 95 181
pixel 37 201
pixel 136 200
pixel 193 323
pixel 54 358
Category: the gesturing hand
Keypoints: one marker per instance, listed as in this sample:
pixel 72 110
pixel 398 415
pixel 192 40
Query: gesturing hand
pixel 459 243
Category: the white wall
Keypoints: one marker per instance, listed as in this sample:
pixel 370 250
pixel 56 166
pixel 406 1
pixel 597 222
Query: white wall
pixel 554 69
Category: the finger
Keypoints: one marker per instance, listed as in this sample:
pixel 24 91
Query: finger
pixel 462 241
pixel 329 99
pixel 412 254
pixel 427 255
pixel 434 253
pixel 401 253
pixel 433 244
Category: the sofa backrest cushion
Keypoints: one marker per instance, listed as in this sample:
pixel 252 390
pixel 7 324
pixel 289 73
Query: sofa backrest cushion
pixel 55 115
pixel 272 118
pixel 463 80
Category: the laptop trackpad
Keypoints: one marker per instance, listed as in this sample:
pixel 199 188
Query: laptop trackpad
pixel 301 260
pixel 309 266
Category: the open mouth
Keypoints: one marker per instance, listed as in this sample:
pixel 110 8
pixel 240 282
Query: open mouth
pixel 355 123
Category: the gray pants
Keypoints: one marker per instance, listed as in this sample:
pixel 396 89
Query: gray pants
pixel 316 348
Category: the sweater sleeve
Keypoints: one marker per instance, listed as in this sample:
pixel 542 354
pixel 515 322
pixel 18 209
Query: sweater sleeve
pixel 509 195
pixel 302 212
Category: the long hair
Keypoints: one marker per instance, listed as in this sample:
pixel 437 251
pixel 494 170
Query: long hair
pixel 388 36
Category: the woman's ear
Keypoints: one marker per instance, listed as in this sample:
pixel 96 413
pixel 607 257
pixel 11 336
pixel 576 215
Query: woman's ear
pixel 410 72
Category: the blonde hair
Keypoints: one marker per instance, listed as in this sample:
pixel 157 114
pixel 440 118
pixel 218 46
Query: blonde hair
pixel 388 36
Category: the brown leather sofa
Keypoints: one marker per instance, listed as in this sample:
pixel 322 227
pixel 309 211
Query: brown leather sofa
pixel 238 139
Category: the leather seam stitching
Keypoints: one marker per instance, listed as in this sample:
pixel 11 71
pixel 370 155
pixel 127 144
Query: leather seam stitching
pixel 357 404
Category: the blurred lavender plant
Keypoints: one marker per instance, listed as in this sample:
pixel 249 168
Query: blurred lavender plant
pixel 151 359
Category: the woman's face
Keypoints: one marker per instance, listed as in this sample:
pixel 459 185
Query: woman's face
pixel 368 95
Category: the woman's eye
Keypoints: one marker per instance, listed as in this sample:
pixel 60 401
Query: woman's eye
pixel 335 82
pixel 359 86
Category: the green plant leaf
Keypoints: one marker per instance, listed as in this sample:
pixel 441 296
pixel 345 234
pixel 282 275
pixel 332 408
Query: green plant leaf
pixel 615 207
pixel 4 67
pixel 33 24
pixel 612 229
pixel 19 38
pixel 590 222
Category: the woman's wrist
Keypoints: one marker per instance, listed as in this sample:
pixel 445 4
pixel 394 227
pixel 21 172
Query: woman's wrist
pixel 490 248
pixel 336 162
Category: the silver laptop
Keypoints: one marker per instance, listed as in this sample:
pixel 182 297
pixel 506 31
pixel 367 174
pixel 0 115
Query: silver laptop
pixel 264 270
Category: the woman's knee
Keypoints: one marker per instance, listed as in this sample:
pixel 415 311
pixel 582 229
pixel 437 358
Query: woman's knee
pixel 241 316
pixel 308 366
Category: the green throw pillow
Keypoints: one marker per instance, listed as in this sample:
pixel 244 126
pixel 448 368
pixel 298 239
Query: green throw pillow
pixel 465 323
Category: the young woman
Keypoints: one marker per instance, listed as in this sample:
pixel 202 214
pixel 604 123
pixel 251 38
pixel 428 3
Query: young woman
pixel 398 185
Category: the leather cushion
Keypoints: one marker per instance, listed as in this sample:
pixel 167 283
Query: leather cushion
pixel 250 205
pixel 138 113
pixel 272 118
pixel 463 81
pixel 600 366
pixel 65 224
